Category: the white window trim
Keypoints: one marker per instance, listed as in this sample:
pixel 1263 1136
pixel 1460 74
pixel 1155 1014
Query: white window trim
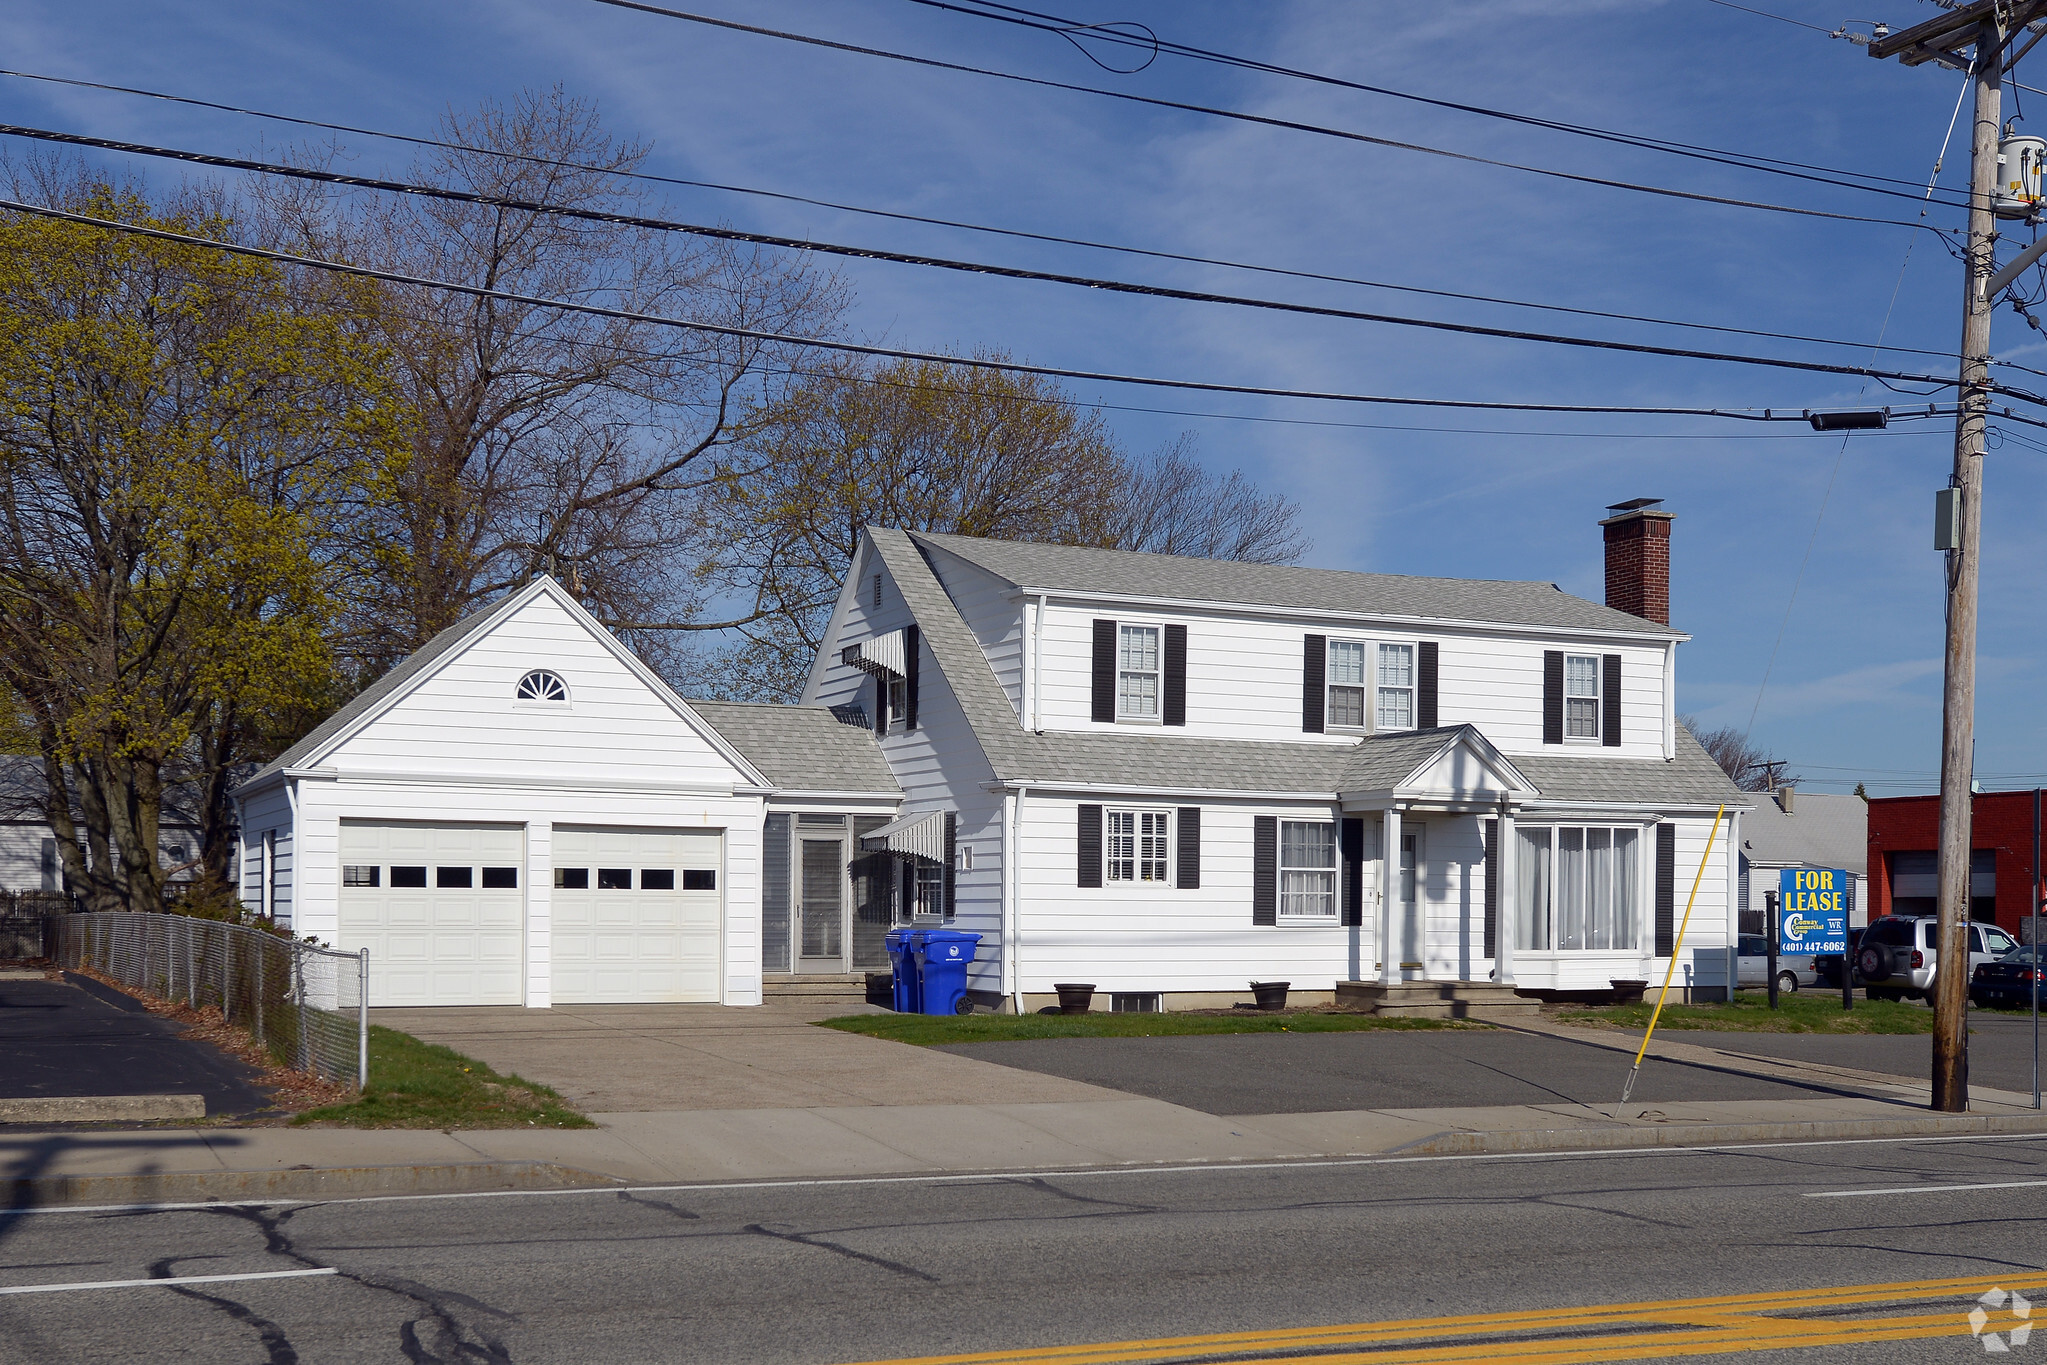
pixel 1158 717
pixel 1139 883
pixel 1413 688
pixel 1598 699
pixel 1644 909
pixel 1335 915
pixel 1371 648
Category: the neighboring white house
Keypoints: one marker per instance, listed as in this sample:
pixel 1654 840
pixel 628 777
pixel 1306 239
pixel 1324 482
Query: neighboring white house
pixel 1169 777
pixel 523 813
pixel 1798 829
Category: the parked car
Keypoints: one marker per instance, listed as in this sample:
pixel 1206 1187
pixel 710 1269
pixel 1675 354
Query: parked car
pixel 1752 959
pixel 2003 984
pixel 1898 957
pixel 1827 966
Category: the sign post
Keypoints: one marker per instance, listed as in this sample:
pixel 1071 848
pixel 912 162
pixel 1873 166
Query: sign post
pixel 1770 906
pixel 1812 917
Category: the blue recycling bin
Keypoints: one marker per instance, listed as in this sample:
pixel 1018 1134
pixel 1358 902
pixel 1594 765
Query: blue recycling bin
pixel 902 961
pixel 942 957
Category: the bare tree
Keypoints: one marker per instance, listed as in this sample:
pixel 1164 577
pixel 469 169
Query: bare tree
pixel 547 440
pixel 1749 764
pixel 933 447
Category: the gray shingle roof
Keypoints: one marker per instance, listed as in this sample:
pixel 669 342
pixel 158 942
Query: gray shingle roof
pixel 374 695
pixel 1127 758
pixel 1069 568
pixel 1824 829
pixel 802 748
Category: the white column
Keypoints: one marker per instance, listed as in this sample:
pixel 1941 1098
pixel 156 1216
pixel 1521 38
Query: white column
pixel 1506 900
pixel 540 916
pixel 1389 896
pixel 1732 835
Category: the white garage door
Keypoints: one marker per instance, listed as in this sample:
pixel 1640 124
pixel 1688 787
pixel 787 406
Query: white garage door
pixel 635 915
pixel 441 908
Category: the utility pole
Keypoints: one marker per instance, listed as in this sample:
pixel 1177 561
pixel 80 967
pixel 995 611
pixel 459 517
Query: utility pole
pixel 1983 26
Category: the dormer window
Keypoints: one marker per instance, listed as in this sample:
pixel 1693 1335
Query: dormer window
pixel 541 685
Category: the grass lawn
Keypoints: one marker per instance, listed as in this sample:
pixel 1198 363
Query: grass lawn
pixel 929 1030
pixel 421 1085
pixel 1803 1012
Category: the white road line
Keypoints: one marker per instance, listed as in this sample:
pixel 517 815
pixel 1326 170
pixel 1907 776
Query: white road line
pixel 174 1279
pixel 1034 1173
pixel 1926 1189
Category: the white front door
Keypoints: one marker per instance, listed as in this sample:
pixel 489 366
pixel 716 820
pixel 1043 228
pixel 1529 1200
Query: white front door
pixel 635 916
pixel 1408 931
pixel 441 908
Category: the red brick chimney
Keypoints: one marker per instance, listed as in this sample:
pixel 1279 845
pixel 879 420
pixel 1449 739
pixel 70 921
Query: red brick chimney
pixel 1638 559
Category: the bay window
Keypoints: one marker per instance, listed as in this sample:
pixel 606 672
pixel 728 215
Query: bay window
pixel 1579 888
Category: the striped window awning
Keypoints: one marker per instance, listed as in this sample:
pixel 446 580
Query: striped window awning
pixel 912 836
pixel 882 655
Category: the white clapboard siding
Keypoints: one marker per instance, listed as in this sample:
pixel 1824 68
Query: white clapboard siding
pixel 465 719
pixel 1244 679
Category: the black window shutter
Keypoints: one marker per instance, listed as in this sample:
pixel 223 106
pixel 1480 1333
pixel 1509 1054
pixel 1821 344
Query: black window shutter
pixel 1104 699
pixel 1492 888
pixel 952 862
pixel 1314 678
pixel 1176 676
pixel 1610 701
pixel 910 680
pixel 1553 696
pixel 1090 845
pixel 1352 836
pixel 1190 846
pixel 880 704
pixel 1666 889
pixel 1265 869
pixel 1425 685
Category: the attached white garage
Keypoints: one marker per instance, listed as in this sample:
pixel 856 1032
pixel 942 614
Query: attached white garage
pixel 636 915
pixel 440 907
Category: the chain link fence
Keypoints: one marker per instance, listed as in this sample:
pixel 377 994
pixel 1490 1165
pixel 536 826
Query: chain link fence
pixel 307 1005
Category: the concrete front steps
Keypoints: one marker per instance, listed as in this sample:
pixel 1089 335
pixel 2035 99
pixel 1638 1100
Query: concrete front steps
pixel 1438 999
pixel 849 987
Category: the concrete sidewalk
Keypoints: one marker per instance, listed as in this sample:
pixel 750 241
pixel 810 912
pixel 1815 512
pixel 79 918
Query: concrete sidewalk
pixel 869 1111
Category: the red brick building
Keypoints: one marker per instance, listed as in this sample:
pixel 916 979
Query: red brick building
pixel 2003 877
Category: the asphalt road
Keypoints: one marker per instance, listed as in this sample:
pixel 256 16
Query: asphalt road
pixel 1293 1073
pixel 61 1038
pixel 879 1270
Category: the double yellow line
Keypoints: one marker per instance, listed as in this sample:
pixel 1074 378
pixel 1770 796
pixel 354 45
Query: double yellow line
pixel 1720 1325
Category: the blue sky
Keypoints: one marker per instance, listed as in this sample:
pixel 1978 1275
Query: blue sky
pixel 1854 690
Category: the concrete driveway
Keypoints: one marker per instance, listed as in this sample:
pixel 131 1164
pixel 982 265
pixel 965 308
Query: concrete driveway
pixel 643 1058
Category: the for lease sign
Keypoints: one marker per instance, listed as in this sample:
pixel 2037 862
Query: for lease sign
pixel 1812 910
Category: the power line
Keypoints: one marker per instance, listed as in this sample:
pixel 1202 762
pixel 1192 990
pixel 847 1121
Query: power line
pixel 967 267
pixel 1765 14
pixel 1240 116
pixel 1069 28
pixel 900 353
pixel 1050 238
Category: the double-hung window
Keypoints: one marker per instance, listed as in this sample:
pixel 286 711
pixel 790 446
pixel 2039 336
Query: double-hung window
pixel 1346 684
pixel 1137 842
pixel 1396 687
pixel 1581 696
pixel 1579 887
pixel 1137 673
pixel 1307 870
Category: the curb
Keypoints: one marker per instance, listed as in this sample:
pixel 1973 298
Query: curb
pixel 1714 1134
pixel 102 1108
pixel 291 1186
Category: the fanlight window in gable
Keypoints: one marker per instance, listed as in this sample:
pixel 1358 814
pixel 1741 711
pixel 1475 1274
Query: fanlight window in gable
pixel 541 685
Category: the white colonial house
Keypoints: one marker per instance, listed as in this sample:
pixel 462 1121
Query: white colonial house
pixel 1165 777
pixel 1170 777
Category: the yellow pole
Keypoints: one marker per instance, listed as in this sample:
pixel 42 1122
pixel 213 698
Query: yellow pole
pixel 1675 949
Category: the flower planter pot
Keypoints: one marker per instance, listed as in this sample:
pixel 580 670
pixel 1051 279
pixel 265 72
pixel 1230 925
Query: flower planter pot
pixel 1628 992
pixel 1270 995
pixel 1074 999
